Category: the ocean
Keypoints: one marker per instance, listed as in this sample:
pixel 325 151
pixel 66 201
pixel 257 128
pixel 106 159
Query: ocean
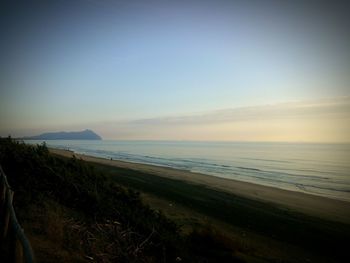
pixel 319 169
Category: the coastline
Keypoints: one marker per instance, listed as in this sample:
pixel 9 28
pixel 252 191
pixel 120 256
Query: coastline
pixel 318 206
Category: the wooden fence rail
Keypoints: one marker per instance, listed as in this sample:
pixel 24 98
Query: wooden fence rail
pixel 14 245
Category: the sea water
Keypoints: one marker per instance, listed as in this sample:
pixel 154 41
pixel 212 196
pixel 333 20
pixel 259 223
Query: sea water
pixel 319 169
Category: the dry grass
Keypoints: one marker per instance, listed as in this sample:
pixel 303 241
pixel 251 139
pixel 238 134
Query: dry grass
pixel 48 229
pixel 57 235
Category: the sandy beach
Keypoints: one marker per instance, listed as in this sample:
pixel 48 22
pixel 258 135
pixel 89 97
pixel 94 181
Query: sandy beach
pixel 331 209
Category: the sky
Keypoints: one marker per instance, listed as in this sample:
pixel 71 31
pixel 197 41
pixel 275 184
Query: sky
pixel 177 70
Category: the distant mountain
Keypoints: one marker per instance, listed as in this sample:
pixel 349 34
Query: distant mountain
pixel 76 135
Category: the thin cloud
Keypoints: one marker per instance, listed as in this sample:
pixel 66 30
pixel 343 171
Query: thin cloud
pixel 325 120
pixel 339 107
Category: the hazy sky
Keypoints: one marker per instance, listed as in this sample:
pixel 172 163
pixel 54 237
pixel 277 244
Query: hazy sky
pixel 173 69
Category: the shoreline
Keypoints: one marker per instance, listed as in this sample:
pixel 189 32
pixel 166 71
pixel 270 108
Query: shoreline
pixel 319 206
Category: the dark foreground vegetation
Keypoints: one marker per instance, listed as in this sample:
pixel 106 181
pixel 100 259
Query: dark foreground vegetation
pixel 71 212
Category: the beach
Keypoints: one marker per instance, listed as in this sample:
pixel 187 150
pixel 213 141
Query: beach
pixel 311 205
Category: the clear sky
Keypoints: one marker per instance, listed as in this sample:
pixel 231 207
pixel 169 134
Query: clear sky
pixel 128 68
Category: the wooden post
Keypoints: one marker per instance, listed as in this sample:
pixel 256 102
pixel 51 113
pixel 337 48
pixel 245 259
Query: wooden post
pixel 12 238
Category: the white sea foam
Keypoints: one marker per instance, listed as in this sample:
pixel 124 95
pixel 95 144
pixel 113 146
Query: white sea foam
pixel 320 169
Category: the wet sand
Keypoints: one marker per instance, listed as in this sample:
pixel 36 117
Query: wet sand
pixel 322 207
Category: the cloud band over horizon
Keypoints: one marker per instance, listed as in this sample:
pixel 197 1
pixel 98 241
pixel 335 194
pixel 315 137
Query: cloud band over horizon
pixel 326 120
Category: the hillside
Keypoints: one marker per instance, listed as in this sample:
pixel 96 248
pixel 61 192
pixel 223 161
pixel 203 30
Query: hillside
pixel 75 135
pixel 72 213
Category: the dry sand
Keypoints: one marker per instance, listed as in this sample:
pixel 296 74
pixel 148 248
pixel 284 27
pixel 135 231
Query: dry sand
pixel 335 210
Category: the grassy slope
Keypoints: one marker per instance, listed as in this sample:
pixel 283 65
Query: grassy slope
pixel 73 213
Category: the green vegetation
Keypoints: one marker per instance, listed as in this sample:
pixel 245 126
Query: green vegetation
pixel 72 212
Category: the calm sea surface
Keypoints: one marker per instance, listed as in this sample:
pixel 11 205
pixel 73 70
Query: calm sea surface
pixel 320 169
